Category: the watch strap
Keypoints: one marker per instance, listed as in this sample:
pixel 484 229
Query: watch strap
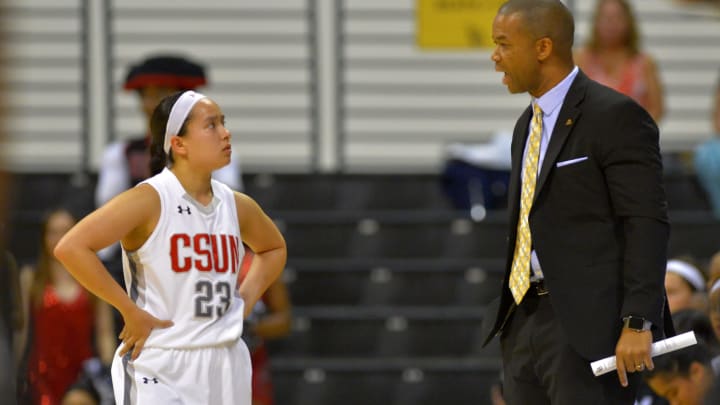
pixel 637 323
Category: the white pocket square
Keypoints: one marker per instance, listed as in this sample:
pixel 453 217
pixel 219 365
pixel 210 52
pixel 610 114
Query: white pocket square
pixel 571 161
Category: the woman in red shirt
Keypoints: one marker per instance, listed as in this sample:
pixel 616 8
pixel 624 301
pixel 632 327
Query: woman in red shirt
pixel 64 318
pixel 613 57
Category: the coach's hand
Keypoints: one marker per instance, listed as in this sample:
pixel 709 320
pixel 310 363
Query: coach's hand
pixel 138 325
pixel 633 353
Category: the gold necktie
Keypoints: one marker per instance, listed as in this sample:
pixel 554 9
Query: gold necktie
pixel 520 271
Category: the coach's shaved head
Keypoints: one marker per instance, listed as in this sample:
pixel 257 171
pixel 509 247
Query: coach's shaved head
pixel 546 18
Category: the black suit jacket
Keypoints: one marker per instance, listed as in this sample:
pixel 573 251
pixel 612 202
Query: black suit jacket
pixel 599 226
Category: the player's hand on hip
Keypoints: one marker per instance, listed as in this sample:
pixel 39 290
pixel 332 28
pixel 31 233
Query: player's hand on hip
pixel 138 325
pixel 633 353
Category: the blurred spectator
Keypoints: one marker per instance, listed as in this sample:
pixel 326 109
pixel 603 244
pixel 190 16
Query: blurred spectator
pixel 716 110
pixel 81 396
pixel 714 396
pixel 613 56
pixel 93 387
pixel 714 293
pixel 270 319
pixel 698 321
pixel 63 322
pixel 707 160
pixel 715 307
pixel 685 286
pixel 684 376
pixel 646 396
pixel 714 269
pixel 476 176
pixel 10 320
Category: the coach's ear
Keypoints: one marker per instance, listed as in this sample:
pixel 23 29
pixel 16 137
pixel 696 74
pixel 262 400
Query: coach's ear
pixel 543 48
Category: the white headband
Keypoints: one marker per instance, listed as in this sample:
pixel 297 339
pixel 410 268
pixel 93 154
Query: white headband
pixel 178 113
pixel 715 287
pixel 688 272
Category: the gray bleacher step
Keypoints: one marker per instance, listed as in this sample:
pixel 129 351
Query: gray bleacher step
pixel 463 364
pixel 448 264
pixel 386 381
pixel 376 312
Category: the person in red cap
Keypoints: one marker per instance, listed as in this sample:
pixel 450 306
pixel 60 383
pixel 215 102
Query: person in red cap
pixel 127 162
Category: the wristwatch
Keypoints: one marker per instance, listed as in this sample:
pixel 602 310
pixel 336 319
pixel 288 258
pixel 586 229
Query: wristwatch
pixel 637 323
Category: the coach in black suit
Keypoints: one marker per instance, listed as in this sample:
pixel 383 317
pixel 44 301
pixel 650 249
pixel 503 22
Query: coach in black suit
pixel 587 244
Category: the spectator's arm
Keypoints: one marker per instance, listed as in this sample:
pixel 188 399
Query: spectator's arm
pixel 26 280
pixel 276 324
pixel 113 177
pixel 18 314
pixel 716 111
pixel 656 106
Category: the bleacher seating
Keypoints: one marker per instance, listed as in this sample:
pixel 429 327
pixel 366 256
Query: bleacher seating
pixel 386 381
pixel 34 195
pixel 394 282
pixel 397 276
pixel 388 284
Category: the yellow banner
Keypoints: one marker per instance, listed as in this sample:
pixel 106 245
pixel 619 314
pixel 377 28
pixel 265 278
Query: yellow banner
pixel 455 24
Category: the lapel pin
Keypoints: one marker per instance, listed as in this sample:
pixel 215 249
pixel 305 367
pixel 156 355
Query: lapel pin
pixel 568 122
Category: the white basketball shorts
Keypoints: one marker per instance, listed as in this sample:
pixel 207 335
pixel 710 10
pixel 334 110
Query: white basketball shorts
pixel 211 375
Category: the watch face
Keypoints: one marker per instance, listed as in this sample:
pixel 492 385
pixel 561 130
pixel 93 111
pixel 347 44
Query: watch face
pixel 635 323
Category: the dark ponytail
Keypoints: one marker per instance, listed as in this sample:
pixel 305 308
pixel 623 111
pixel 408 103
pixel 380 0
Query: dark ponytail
pixel 158 123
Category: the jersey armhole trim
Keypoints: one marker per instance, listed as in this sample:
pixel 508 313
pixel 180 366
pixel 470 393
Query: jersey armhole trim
pixel 158 225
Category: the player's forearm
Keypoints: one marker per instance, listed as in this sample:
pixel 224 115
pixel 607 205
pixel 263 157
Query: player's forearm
pixel 89 271
pixel 265 269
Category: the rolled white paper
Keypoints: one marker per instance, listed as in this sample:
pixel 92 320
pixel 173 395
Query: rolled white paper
pixel 668 345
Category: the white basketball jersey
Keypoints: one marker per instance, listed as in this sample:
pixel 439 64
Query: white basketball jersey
pixel 187 269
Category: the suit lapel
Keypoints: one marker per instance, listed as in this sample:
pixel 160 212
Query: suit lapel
pixel 566 120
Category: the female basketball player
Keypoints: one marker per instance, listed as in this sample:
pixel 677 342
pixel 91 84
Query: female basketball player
pixel 182 236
